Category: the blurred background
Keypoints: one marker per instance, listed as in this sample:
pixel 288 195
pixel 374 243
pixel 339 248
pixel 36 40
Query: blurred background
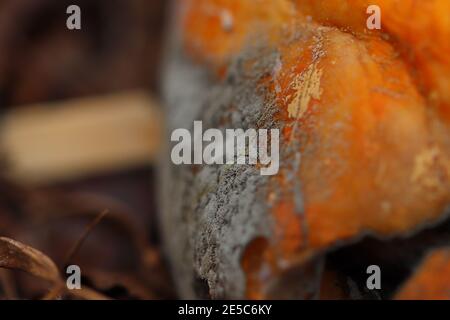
pixel 79 133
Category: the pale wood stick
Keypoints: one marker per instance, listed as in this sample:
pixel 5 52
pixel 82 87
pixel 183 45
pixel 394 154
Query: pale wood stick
pixel 72 139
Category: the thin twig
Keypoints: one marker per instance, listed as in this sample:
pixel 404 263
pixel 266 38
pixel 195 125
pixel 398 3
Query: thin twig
pixel 77 245
pixel 60 287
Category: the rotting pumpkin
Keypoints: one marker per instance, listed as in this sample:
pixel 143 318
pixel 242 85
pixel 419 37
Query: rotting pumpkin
pixel 365 150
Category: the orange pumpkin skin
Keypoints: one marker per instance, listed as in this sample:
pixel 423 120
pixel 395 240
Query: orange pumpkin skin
pixel 364 116
pixel 431 280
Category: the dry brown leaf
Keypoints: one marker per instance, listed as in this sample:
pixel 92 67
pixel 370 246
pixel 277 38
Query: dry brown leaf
pixel 86 294
pixel 60 291
pixel 18 256
pixel 135 267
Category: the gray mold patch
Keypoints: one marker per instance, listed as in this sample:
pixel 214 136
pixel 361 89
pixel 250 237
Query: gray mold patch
pixel 226 219
pixel 211 213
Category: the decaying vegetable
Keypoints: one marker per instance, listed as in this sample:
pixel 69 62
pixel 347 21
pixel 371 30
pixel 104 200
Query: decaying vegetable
pixel 365 147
